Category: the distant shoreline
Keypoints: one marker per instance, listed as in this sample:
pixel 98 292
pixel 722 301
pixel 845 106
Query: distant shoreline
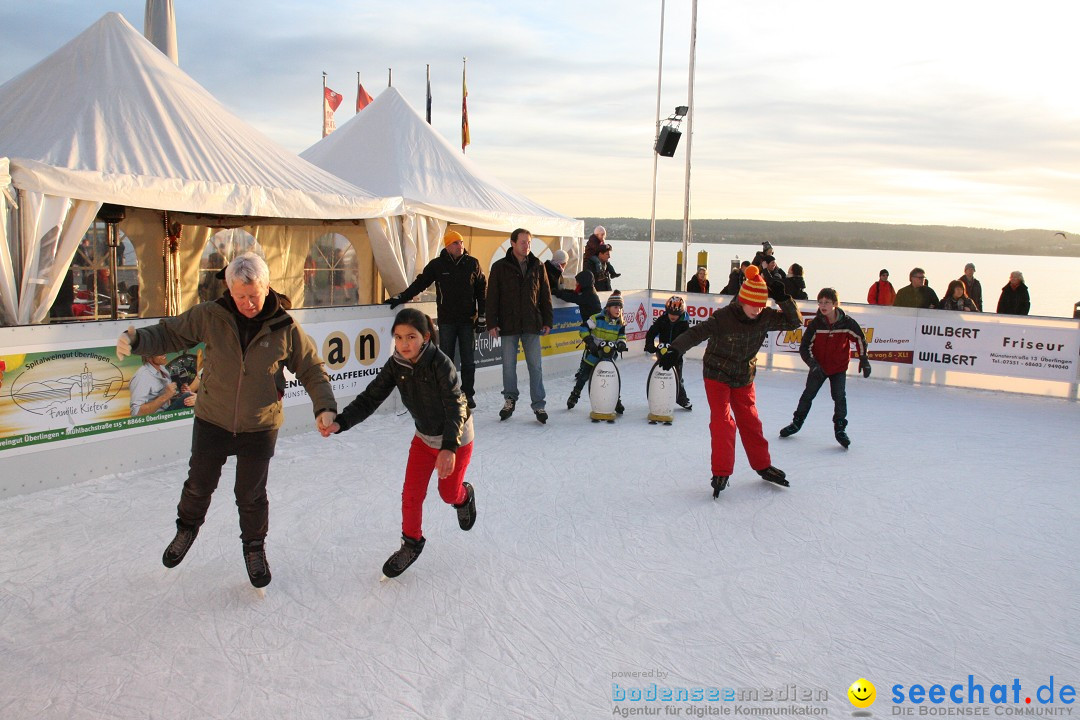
pixel 854 235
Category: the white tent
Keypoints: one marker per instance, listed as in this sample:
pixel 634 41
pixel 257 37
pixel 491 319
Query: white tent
pixel 108 118
pixel 389 149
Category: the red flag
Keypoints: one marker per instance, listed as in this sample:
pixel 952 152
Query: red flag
pixel 362 97
pixel 465 140
pixel 331 101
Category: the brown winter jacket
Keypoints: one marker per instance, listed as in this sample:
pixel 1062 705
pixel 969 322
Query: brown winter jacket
pixel 735 340
pixel 238 390
pixel 518 303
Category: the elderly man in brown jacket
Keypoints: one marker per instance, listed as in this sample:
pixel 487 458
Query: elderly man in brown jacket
pixel 249 337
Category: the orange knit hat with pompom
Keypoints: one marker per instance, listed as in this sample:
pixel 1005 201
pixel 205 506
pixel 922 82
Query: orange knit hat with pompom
pixel 753 291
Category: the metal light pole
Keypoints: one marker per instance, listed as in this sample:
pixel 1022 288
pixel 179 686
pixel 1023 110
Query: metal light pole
pixel 689 140
pixel 656 154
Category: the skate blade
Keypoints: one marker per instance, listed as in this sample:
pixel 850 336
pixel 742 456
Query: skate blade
pixel 781 482
pixel 261 592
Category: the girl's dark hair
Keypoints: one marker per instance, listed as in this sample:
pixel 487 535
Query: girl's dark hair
pixel 418 320
pixel 829 294
pixel 952 286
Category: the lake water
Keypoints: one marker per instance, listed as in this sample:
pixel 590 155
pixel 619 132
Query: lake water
pixel 1053 282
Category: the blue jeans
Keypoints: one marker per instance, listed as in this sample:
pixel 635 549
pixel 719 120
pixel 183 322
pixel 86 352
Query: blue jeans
pixel 530 342
pixel 460 336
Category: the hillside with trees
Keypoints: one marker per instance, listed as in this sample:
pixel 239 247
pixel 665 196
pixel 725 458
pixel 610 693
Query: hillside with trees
pixel 938 238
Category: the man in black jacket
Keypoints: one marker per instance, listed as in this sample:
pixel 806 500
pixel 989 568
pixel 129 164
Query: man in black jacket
pixel 519 305
pixel 460 288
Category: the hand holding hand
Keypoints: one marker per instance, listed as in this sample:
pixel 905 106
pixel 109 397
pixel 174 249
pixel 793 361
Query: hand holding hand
pixel 123 343
pixel 325 424
pixel 493 332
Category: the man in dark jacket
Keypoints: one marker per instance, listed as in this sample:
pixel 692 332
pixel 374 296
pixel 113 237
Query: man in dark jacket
pixel 1014 298
pixel 460 288
pixel 973 286
pixel 519 310
pixel 917 293
pixel 735 333
pixel 600 266
pixel 248 335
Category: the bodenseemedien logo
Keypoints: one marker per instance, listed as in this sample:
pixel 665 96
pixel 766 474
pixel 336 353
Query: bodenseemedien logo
pixel 862 695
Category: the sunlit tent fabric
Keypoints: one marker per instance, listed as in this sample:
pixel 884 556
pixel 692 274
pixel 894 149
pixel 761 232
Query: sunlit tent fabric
pixel 108 118
pixel 389 149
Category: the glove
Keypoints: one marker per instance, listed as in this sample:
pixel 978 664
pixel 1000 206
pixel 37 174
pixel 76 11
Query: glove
pixel 651 348
pixel 669 359
pixel 394 301
pixel 621 346
pixel 614 274
pixel 591 345
pixel 481 324
pixel 123 343
pixel 864 365
pixel 815 367
pixel 778 292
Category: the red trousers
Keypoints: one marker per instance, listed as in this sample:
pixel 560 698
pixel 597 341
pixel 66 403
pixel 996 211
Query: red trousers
pixel 723 400
pixel 417 475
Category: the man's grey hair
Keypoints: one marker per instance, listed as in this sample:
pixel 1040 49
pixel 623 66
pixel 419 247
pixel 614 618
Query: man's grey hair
pixel 246 269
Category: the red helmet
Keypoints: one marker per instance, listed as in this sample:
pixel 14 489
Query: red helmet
pixel 674 305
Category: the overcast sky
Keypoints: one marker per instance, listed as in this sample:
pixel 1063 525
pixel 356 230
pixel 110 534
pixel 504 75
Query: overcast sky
pixel 957 112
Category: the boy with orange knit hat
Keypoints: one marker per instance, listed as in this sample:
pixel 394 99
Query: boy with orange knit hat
pixel 735 334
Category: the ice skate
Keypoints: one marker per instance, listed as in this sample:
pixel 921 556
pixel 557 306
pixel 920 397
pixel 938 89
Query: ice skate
pixel 719 482
pixel 774 475
pixel 842 438
pixel 181 543
pixel 572 400
pixel 507 408
pixel 791 429
pixel 541 415
pixel 400 561
pixel 466 511
pixel 258 569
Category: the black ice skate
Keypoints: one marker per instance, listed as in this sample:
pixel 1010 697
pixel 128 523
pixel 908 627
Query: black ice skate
pixel 572 400
pixel 507 408
pixel 541 415
pixel 619 409
pixel 791 429
pixel 258 569
pixel 774 475
pixel 178 548
pixel 400 561
pixel 684 404
pixel 719 482
pixel 842 438
pixel 466 511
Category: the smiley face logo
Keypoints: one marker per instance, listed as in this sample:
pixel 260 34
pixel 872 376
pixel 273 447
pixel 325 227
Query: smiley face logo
pixel 862 693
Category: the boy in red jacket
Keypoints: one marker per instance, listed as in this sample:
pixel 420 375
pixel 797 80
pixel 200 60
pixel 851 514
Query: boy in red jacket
pixel 825 348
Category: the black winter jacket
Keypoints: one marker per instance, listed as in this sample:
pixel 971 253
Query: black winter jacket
pixel 735 340
pixel 460 287
pixel 518 303
pixel 665 331
pixel 795 287
pixel 584 296
pixel 429 389
pixel 1014 302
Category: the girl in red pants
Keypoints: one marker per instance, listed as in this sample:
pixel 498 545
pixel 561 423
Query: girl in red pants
pixel 430 390
pixel 735 333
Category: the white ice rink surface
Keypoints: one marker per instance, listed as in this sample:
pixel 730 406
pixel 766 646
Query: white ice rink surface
pixel 943 544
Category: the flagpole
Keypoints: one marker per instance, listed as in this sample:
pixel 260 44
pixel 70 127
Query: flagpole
pixel 429 94
pixel 357 93
pixel 324 103
pixel 689 139
pixel 389 77
pixel 656 155
pixel 465 135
